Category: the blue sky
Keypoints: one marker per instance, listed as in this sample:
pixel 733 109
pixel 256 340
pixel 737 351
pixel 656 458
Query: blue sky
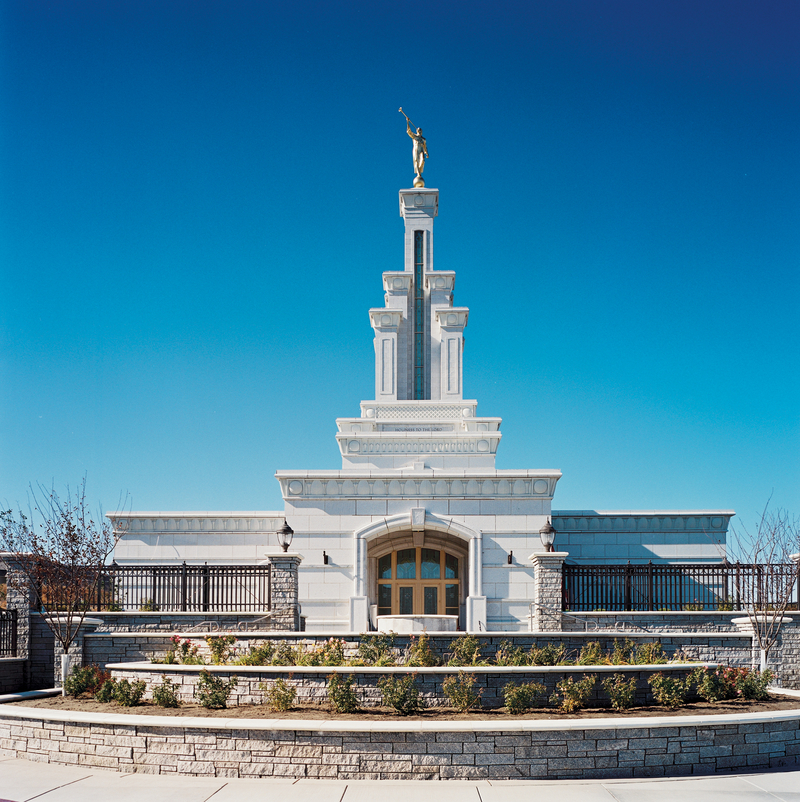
pixel 198 198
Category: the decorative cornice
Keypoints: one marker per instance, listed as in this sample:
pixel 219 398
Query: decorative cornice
pixel 454 317
pixel 419 442
pixel 440 280
pixel 385 318
pixel 397 283
pixel 540 485
pixel 643 521
pixel 195 522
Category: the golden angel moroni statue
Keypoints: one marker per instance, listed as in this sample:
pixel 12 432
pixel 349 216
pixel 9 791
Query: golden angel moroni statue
pixel 420 152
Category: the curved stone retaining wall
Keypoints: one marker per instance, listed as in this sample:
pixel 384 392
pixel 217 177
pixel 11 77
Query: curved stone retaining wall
pixel 311 683
pixel 572 748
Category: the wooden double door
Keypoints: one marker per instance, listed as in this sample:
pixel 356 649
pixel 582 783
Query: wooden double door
pixel 418 581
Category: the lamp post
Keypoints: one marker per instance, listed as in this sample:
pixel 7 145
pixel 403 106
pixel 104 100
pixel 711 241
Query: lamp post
pixel 548 535
pixel 285 535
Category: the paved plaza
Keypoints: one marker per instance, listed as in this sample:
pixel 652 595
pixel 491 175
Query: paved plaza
pixel 22 780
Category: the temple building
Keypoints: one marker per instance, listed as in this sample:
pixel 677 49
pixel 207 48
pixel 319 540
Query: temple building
pixel 419 522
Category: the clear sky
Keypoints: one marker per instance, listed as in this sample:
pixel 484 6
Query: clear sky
pixel 197 200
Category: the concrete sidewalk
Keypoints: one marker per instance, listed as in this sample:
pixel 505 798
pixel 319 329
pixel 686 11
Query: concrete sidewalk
pixel 23 780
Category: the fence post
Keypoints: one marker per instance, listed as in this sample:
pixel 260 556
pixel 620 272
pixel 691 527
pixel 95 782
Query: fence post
pixel 184 588
pixel 548 590
pixel 628 578
pixel 205 588
pixel 650 586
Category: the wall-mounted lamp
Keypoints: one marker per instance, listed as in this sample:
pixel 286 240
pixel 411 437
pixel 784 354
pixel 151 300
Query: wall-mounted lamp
pixel 285 535
pixel 510 557
pixel 325 557
pixel 548 536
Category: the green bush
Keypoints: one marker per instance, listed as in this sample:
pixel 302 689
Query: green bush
pixel 466 651
pixel 521 698
pixel 279 695
pixel 184 651
pixel 212 692
pixel 129 694
pixel 668 690
pixel 621 691
pixel 401 694
pixel 221 647
pixel 105 693
pixel 570 695
pixel 551 654
pixel 591 655
pixel 341 695
pixel 623 653
pixel 85 680
pixel 714 684
pixel 329 653
pixel 460 692
pixel 149 606
pixel 648 654
pixel 166 694
pixel 419 653
pixel 509 655
pixel 260 655
pixel 753 684
pixel 376 650
pixel 284 655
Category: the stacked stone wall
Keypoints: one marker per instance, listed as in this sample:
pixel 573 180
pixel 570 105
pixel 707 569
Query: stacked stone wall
pixel 605 750
pixel 12 674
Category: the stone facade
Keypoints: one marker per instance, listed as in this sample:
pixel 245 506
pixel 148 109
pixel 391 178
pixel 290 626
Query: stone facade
pixel 604 748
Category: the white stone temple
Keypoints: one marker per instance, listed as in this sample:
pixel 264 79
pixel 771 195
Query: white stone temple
pixel 419 522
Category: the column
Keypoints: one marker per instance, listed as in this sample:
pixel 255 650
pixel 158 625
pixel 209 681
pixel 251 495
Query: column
pixel 285 604
pixel 476 601
pixel 547 590
pixel 359 602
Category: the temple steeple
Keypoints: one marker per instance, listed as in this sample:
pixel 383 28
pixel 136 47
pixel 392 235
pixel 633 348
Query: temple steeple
pixel 419 414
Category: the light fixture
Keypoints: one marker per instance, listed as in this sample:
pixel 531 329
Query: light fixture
pixel 510 557
pixel 325 557
pixel 285 535
pixel 548 535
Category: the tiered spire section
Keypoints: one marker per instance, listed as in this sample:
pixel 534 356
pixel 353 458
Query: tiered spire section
pixel 419 415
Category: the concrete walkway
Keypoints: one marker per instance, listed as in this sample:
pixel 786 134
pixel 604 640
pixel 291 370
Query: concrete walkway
pixel 23 780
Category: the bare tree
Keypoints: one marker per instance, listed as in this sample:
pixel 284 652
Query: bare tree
pixel 766 574
pixel 58 551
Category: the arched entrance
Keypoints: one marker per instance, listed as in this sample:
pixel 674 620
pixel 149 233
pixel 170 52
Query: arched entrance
pixel 417 564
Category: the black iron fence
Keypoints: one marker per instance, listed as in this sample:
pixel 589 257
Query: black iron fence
pixel 184 588
pixel 653 587
pixel 8 633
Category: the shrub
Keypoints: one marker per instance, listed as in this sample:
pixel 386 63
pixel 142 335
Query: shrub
pixel 149 606
pixel 714 684
pixel 466 651
pixel 220 647
pixel 623 653
pixel 212 692
pixel 284 655
pixel 105 693
pixel 183 651
pixel 648 654
pixel 668 690
pixel 419 654
pixel 591 655
pixel 85 679
pixel 570 695
pixel 129 694
pixel 376 650
pixel 279 695
pixel 520 698
pixel 551 654
pixel 460 692
pixel 330 653
pixel 402 694
pixel 753 684
pixel 260 655
pixel 621 691
pixel 341 695
pixel 166 694
pixel 509 655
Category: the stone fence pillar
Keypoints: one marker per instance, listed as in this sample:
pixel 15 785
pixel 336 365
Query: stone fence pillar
pixel 285 604
pixel 547 590
pixel 18 597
